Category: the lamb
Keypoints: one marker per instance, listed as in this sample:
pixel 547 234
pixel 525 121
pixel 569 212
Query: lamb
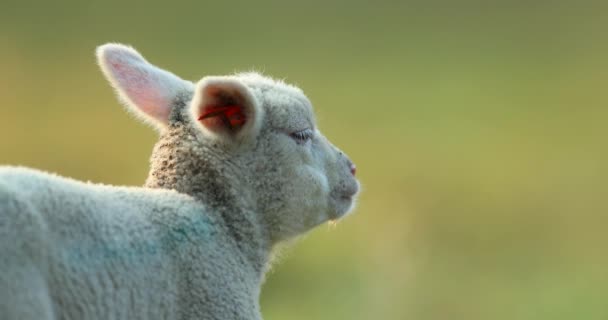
pixel 239 167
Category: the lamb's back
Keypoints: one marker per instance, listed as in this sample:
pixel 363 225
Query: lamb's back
pixel 99 246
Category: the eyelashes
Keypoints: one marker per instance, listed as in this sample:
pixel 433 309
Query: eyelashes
pixel 302 136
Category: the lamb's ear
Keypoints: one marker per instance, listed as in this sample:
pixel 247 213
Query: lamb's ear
pixel 147 90
pixel 226 108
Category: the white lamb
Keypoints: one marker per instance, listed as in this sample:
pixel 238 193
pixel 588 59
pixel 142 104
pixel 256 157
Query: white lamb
pixel 240 166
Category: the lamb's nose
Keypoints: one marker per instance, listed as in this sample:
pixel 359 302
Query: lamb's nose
pixel 353 168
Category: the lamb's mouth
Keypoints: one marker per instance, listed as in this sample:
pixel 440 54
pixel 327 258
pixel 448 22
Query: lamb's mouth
pixel 342 205
pixel 343 199
pixel 347 197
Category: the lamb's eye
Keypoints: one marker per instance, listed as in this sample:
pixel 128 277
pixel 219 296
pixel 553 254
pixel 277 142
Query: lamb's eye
pixel 302 136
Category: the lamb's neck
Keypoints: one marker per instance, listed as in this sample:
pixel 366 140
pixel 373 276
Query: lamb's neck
pixel 199 176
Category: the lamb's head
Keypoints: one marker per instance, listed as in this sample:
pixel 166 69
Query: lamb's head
pixel 243 138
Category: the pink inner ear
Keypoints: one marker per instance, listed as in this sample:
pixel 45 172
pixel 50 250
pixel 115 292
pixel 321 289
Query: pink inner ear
pixel 230 116
pixel 143 89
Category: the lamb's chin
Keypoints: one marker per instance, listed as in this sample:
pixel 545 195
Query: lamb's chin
pixel 341 206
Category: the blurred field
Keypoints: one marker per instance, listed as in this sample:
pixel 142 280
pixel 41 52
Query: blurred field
pixel 479 131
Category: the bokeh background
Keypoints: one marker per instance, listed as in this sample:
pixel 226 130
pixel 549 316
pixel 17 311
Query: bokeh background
pixel 479 130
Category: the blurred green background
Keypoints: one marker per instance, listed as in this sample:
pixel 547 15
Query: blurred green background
pixel 479 131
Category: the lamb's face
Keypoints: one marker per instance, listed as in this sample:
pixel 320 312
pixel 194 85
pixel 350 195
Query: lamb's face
pixel 301 179
pixel 294 177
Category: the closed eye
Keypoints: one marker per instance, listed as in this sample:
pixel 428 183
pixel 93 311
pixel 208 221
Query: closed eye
pixel 302 136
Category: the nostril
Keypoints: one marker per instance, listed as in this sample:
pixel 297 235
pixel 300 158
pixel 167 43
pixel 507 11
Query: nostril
pixel 353 169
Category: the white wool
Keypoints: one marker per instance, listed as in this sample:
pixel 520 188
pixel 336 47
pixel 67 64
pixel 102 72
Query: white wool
pixel 239 168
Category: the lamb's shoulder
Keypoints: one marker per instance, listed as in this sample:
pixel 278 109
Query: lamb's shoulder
pixel 98 211
pixel 93 236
